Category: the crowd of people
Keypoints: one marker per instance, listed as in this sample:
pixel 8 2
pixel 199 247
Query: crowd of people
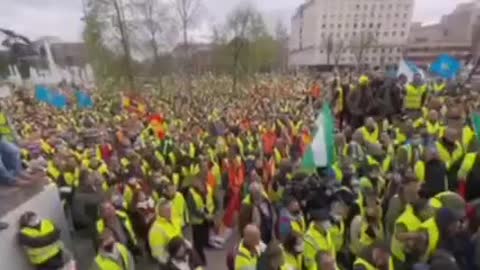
pixel 143 173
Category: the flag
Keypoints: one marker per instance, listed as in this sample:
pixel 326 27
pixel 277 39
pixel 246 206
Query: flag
pixel 321 152
pixel 476 124
pixel 43 94
pixel 84 100
pixel 446 66
pixel 408 69
pixel 59 101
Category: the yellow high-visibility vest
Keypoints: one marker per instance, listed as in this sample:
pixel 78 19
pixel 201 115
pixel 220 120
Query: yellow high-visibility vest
pixel 371 137
pixel 449 158
pixel 5 129
pixel 108 263
pixel 202 204
pixel 39 255
pixel 413 99
pixel 160 234
pixel 244 259
pixel 125 220
pixel 412 223
pixel 431 227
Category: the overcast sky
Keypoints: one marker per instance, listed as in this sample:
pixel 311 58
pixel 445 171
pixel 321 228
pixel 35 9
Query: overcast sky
pixel 62 18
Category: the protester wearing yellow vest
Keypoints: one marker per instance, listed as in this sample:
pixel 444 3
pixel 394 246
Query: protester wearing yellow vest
pixel 178 203
pixel 5 129
pixel 249 249
pixel 112 255
pixel 162 231
pixel 318 239
pixel 370 131
pixel 443 226
pixel 201 204
pixel 469 177
pixel 291 219
pixel 375 257
pixel 41 241
pixel 293 247
pixel 406 225
pixel 415 94
pixel 439 86
pixel 119 223
pixel 431 124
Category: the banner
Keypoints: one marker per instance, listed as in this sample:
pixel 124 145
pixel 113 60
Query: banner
pixel 321 152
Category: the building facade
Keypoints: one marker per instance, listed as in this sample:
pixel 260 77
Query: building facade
pixel 456 34
pixel 349 32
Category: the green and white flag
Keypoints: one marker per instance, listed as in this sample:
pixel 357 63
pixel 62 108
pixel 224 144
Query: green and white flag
pixel 321 152
pixel 476 124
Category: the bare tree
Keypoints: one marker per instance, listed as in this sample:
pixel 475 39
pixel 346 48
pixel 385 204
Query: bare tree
pixel 340 47
pixel 328 46
pixel 361 44
pixel 115 10
pixel 152 17
pixel 281 35
pixel 187 13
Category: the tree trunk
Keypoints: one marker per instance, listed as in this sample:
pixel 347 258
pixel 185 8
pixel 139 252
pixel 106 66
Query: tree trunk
pixel 125 45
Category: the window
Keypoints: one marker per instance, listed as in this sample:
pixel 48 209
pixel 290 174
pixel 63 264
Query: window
pixel 374 50
pixel 338 34
pixel 321 51
pixel 394 34
pixel 385 34
pixel 395 25
pixel 363 25
pixel 396 15
pixel 404 24
pixel 407 6
pixel 374 59
pixel 339 25
pixel 402 34
pixel 357 6
pixel 324 25
pixel 324 16
pixel 390 6
pixel 331 25
pixel 377 34
pixel 390 50
pixel 399 50
pixel 383 50
pixel 365 7
pixel 379 25
pixel 355 25
pixel 381 6
pixel 370 25
pixel 405 15
pixel 354 34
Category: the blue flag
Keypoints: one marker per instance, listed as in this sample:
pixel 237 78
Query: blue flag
pixel 446 66
pixel 59 101
pixel 84 100
pixel 43 94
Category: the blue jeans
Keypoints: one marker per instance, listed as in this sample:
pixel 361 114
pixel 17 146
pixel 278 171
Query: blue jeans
pixel 10 162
